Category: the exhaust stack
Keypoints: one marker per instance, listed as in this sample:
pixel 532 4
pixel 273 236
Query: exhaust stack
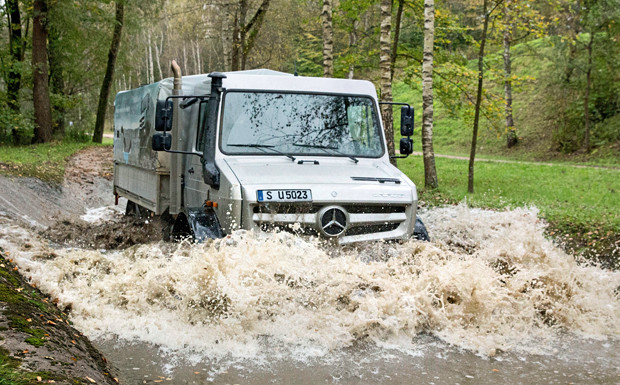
pixel 175 159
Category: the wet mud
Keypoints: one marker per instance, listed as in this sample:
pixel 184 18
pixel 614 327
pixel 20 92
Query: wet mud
pixel 119 232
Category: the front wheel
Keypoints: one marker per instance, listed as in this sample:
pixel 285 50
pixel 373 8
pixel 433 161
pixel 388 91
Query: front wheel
pixel 419 231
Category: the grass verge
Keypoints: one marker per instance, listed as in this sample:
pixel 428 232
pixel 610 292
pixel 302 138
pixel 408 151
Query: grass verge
pixel 44 161
pixel 582 205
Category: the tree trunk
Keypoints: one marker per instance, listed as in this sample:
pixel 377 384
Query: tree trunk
pixel 198 60
pixel 109 73
pixel 41 95
pixel 328 40
pixel 251 30
pixel 243 11
pixel 385 66
pixel 430 172
pixel 586 99
pixel 352 44
pixel 158 52
pixel 15 46
pixel 186 72
pixel 472 155
pixel 399 15
pixel 151 68
pixel 236 41
pixel 511 131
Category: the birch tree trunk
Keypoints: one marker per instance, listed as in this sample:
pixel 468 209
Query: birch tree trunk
pixel 511 131
pixel 109 72
pixel 194 57
pixel 385 67
pixel 472 154
pixel 352 44
pixel 151 70
pixel 430 172
pixel 158 53
pixel 185 59
pixel 328 39
pixel 586 99
pixel 41 94
pixel 399 15
pixel 199 69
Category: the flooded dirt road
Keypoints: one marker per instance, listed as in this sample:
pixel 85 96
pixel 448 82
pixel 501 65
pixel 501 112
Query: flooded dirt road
pixel 490 300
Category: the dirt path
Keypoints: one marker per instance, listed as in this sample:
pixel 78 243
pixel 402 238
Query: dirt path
pixel 417 153
pixel 88 183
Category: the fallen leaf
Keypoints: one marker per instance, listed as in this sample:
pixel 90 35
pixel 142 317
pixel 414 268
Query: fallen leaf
pixel 51 322
pixel 91 380
pixel 73 342
pixel 29 319
pixel 25 351
pixel 196 372
pixel 19 289
pixel 39 378
pixel 495 370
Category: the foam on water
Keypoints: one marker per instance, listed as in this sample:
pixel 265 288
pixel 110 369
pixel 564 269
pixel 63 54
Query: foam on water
pixel 488 281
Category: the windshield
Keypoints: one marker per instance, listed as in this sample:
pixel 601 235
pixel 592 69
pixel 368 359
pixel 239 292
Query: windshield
pixel 300 124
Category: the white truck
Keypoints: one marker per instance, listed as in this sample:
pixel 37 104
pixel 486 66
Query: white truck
pixel 259 150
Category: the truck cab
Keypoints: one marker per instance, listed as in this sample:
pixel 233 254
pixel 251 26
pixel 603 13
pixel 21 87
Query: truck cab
pixel 260 150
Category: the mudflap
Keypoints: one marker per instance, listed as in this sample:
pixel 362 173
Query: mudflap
pixel 204 224
pixel 419 231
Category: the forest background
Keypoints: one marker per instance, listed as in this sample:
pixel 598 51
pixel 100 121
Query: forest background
pixel 511 79
pixel 564 57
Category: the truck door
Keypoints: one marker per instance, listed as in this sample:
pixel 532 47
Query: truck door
pixel 196 191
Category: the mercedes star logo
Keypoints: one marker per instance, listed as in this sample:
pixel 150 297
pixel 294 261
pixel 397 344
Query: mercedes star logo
pixel 333 221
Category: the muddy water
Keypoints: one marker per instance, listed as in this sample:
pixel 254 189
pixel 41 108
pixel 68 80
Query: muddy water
pixel 489 300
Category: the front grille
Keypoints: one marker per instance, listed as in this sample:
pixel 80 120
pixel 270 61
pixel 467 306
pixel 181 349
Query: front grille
pixel 370 229
pixel 374 209
pixel 286 208
pixel 302 218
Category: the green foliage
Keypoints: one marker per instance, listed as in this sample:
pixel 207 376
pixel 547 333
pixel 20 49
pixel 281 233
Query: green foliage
pixel 11 123
pixel 563 193
pixel 309 56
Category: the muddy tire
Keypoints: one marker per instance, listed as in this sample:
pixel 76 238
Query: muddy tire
pixel 419 231
pixel 180 229
pixel 135 210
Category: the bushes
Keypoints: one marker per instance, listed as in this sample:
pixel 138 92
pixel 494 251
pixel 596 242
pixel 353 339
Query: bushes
pixel 15 128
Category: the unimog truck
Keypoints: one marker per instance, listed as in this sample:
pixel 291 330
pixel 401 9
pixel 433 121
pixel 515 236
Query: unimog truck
pixel 261 150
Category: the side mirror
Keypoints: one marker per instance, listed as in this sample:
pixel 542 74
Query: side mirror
pixel 406 121
pixel 406 146
pixel 163 116
pixel 162 142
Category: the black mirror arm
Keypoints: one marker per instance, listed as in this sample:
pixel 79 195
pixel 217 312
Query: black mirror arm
pixel 185 103
pixel 396 104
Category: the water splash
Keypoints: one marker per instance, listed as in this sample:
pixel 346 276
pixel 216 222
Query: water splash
pixel 488 282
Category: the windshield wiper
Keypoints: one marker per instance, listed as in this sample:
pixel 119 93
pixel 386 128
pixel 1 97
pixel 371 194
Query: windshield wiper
pixel 325 148
pixel 263 146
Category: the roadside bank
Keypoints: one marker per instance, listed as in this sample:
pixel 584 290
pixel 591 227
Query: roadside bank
pixel 38 343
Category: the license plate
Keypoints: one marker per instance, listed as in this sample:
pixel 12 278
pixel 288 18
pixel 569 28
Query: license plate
pixel 284 195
